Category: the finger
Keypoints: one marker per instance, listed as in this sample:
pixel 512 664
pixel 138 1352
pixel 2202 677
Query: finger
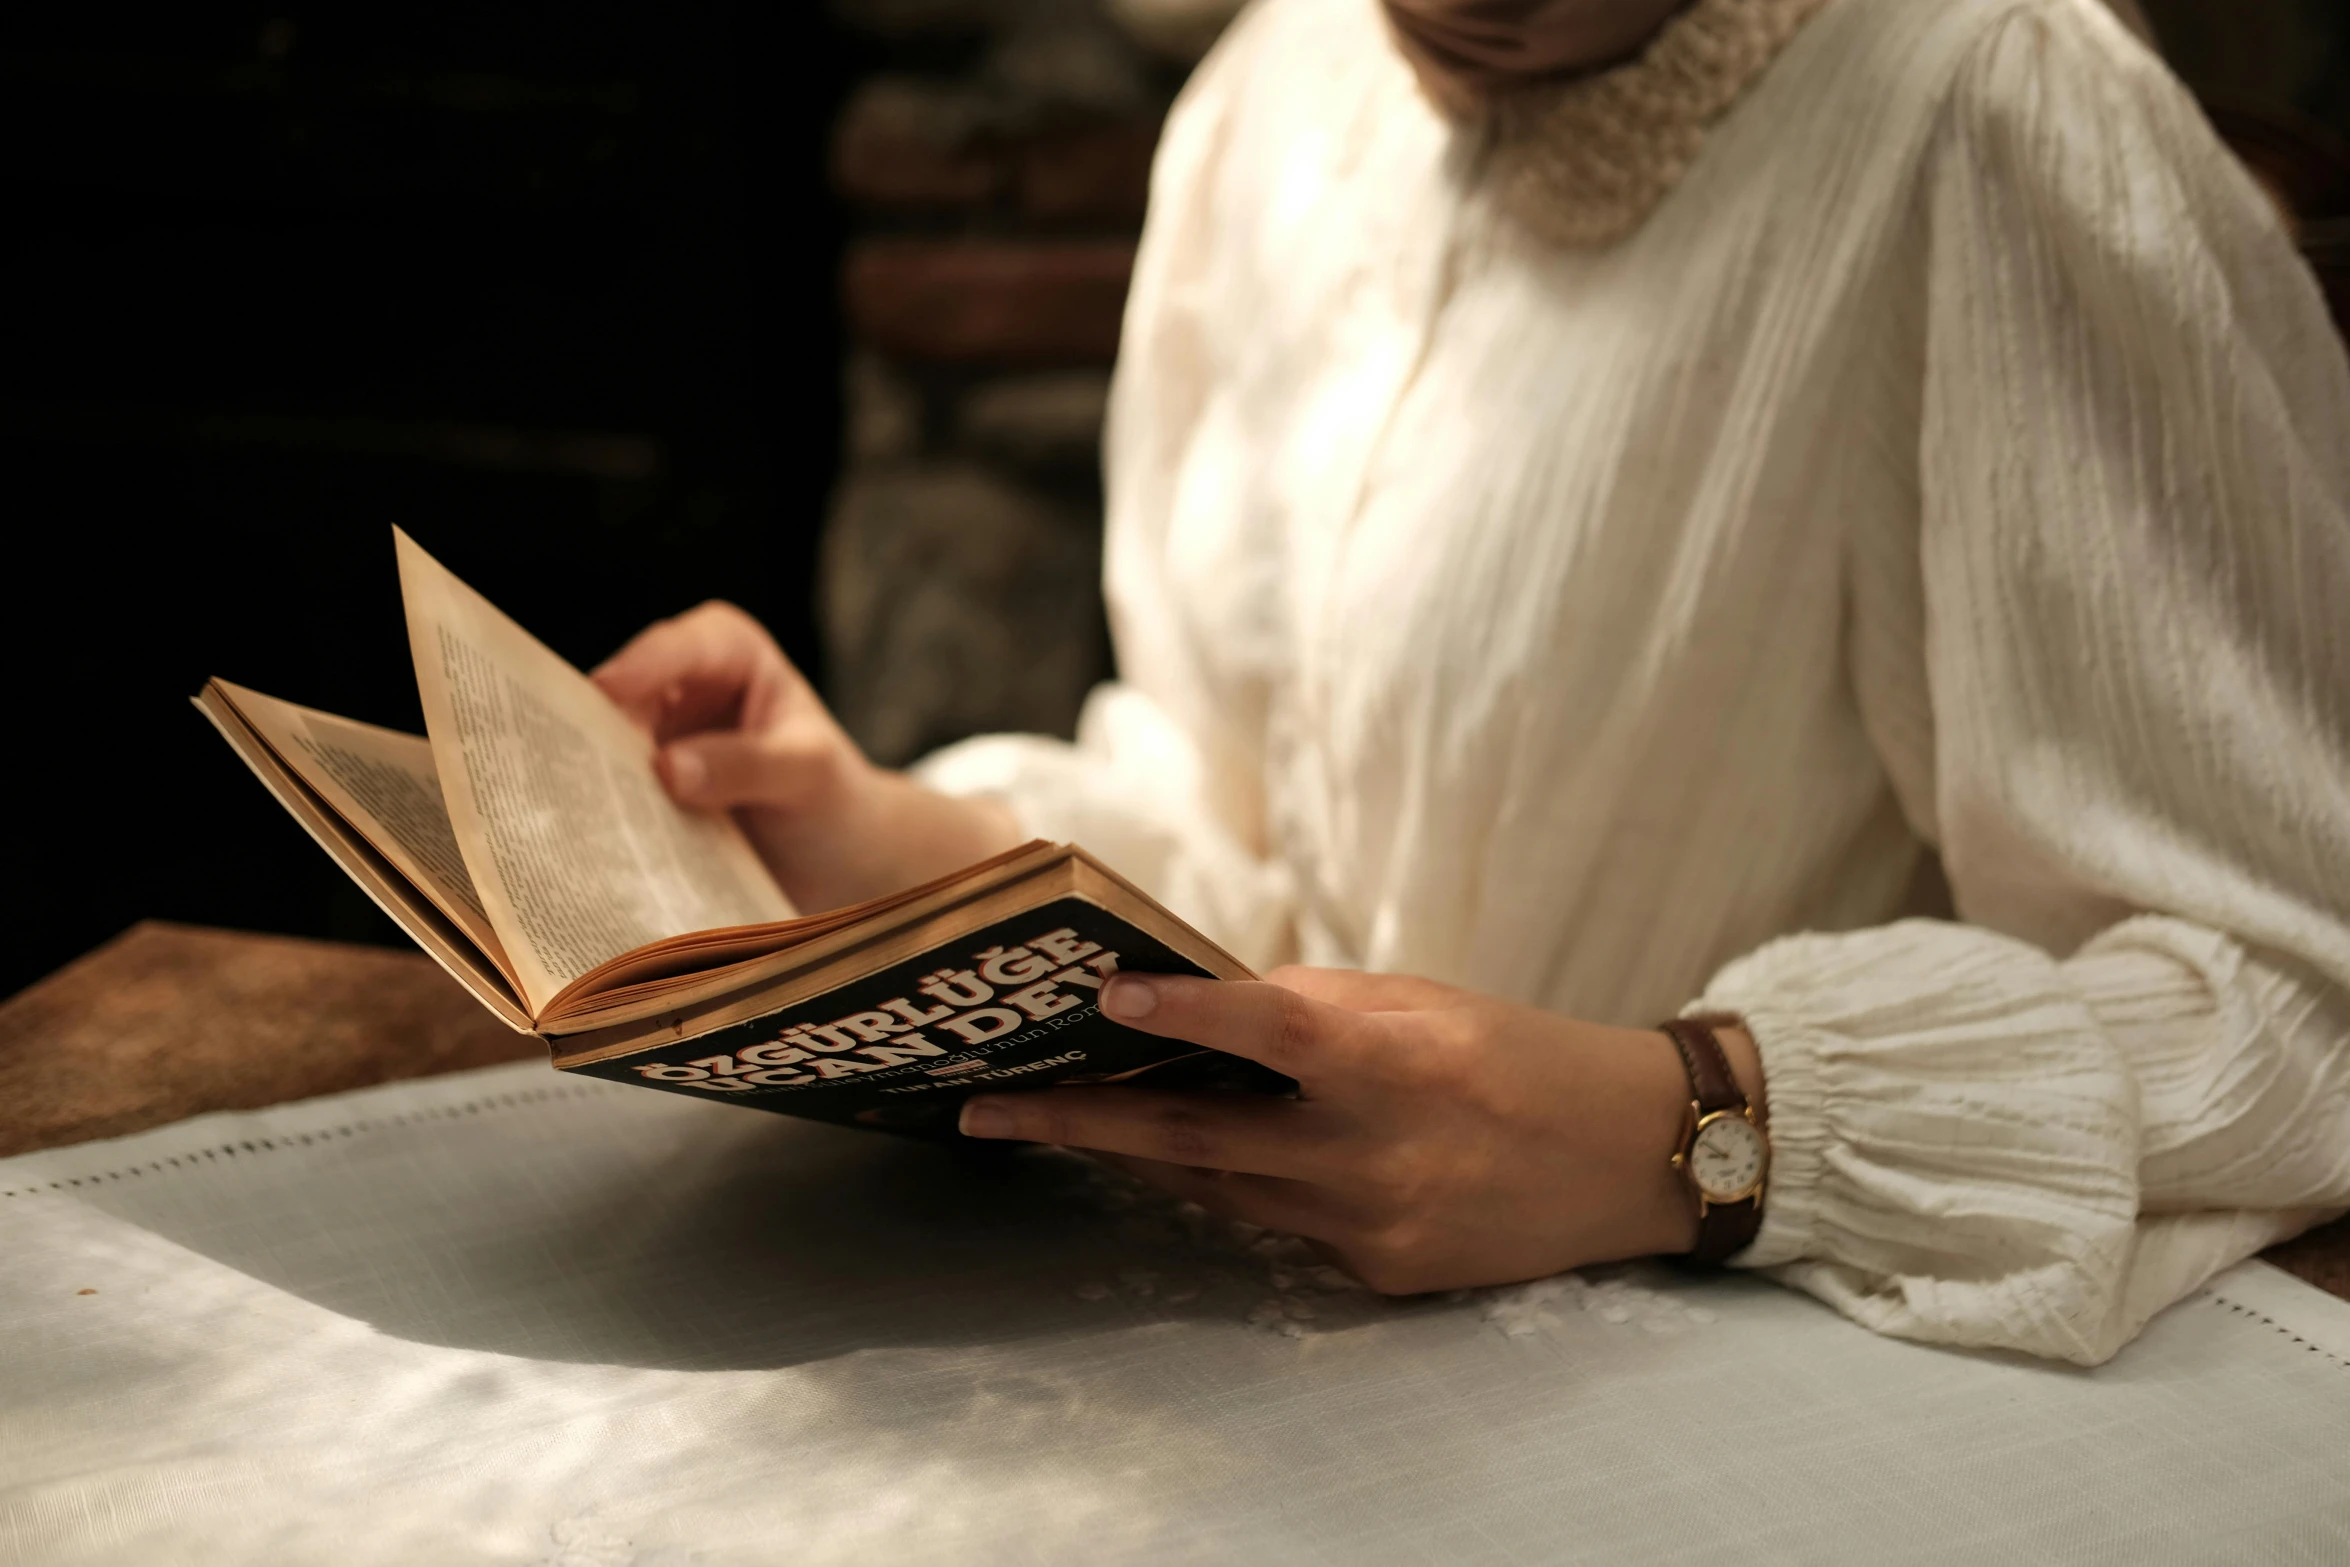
pixel 1358 991
pixel 786 767
pixel 1292 1207
pixel 1287 1031
pixel 702 669
pixel 1244 1133
pixel 649 674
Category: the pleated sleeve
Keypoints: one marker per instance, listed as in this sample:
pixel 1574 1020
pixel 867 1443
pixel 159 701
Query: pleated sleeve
pixel 2127 1066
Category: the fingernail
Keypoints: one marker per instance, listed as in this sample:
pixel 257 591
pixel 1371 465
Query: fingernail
pixel 1129 997
pixel 688 773
pixel 985 1118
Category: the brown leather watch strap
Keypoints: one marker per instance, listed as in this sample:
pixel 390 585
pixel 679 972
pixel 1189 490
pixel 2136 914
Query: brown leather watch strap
pixel 1711 1082
pixel 1726 1228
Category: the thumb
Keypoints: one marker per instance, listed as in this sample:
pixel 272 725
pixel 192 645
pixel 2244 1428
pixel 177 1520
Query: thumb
pixel 722 770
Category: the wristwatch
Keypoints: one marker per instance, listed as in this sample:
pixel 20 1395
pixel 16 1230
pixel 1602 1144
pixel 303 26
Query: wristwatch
pixel 1724 1151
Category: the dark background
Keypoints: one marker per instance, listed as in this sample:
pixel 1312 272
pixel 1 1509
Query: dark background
pixel 549 285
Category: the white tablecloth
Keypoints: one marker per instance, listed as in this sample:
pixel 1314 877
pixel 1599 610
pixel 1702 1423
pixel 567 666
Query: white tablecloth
pixel 506 1317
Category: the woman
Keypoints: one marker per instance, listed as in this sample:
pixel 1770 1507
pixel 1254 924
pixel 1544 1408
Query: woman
pixel 1593 535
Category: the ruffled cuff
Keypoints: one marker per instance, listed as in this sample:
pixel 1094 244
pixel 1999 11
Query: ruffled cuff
pixel 1954 1140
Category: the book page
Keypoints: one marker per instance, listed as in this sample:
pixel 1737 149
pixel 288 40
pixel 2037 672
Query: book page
pixel 392 889
pixel 577 852
pixel 384 784
pixel 685 970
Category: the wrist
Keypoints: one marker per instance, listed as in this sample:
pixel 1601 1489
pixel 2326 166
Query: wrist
pixel 871 831
pixel 1724 1151
pixel 1668 1209
pixel 1721 1149
pixel 1746 1065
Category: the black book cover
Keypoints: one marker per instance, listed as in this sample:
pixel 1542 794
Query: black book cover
pixel 1014 1005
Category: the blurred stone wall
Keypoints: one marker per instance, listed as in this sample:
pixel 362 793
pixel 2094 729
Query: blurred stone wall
pixel 2278 54
pixel 995 161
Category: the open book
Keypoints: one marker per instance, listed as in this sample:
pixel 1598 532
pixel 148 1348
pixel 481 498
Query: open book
pixel 527 846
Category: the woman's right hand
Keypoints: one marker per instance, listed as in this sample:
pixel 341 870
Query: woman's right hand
pixel 740 729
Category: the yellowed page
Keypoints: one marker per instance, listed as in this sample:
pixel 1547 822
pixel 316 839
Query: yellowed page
pixel 383 881
pixel 385 785
pixel 577 852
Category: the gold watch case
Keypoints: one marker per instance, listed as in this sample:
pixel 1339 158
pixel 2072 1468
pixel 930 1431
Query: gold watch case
pixel 1725 1155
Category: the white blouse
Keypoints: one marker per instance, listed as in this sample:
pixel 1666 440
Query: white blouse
pixel 1956 459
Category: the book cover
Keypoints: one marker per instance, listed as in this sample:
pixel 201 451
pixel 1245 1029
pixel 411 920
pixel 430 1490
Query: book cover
pixel 1012 1005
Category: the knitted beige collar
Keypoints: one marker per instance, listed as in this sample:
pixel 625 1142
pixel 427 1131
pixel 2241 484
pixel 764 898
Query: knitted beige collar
pixel 1585 162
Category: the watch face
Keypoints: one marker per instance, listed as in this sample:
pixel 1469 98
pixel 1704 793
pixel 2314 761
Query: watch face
pixel 1726 1160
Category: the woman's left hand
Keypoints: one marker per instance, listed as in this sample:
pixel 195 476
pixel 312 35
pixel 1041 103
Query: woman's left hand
pixel 1440 1139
